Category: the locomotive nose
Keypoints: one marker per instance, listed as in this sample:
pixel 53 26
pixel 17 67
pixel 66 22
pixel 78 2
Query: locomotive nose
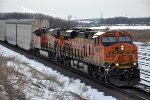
pixel 124 55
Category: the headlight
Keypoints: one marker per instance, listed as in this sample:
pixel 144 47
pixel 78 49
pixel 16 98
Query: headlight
pixel 117 64
pixel 122 47
pixel 134 64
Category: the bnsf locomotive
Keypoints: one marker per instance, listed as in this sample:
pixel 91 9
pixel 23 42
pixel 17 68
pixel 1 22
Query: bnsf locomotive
pixel 110 55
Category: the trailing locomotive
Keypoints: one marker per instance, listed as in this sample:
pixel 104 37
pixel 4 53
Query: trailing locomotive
pixel 110 56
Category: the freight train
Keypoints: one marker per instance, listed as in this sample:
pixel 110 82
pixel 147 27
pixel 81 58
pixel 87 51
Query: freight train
pixel 109 56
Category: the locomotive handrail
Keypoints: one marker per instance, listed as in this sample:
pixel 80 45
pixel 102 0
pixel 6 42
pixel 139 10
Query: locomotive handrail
pixel 110 63
pixel 107 69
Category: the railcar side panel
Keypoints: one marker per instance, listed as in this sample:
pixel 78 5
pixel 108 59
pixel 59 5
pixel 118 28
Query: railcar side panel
pixel 24 36
pixel 11 33
pixel 2 30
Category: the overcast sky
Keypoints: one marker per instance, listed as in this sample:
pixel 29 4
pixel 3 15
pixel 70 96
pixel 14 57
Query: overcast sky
pixel 79 8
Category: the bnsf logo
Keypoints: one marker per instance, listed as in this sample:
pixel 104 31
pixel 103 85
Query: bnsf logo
pixel 120 52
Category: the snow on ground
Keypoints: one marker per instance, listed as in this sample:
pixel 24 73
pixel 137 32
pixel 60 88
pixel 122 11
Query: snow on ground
pixel 144 60
pixel 63 84
pixel 85 22
pixel 121 27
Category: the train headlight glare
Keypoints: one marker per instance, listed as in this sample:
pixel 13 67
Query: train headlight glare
pixel 122 47
pixel 134 64
pixel 117 64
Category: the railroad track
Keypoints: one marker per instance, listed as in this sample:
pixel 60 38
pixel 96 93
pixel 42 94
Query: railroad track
pixel 143 72
pixel 121 93
pixel 144 87
pixel 144 58
pixel 137 93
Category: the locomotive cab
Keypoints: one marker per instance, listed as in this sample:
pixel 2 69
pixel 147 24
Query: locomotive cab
pixel 120 58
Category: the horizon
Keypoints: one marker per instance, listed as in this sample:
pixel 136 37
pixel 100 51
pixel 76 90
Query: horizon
pixel 73 19
pixel 79 9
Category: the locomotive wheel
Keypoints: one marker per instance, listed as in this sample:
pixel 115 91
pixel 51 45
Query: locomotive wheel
pixel 62 61
pixel 67 62
pixel 90 70
pixel 51 56
pixel 106 77
pixel 37 52
pixel 102 76
pixel 93 71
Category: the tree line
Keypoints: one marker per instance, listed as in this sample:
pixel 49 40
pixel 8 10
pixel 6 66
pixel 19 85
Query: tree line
pixel 117 20
pixel 126 20
pixel 54 22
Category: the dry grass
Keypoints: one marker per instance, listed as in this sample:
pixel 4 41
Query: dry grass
pixel 6 76
pixel 15 82
pixel 140 35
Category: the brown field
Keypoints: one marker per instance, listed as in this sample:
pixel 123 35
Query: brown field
pixel 140 35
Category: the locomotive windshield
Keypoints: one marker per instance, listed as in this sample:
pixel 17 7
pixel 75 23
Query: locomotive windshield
pixel 125 39
pixel 107 41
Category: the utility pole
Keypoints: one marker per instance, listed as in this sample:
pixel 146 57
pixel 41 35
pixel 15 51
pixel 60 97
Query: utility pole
pixel 69 17
pixel 101 18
